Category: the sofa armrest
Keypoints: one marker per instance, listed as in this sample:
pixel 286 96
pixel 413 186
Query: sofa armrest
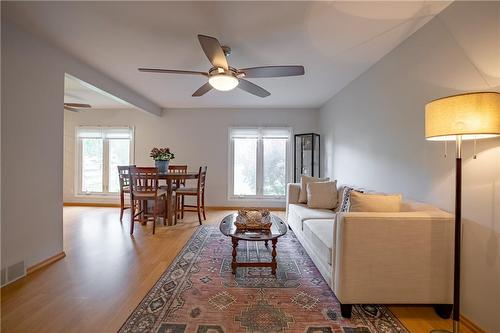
pixel 404 257
pixel 292 194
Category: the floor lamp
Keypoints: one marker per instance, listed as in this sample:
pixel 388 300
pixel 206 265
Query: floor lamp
pixel 470 116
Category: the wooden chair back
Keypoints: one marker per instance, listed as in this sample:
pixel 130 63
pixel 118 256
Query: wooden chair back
pixel 202 177
pixel 143 181
pixel 124 176
pixel 179 169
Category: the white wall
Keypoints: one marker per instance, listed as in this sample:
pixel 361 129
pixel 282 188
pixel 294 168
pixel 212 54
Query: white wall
pixel 32 142
pixel 373 136
pixel 31 150
pixel 197 137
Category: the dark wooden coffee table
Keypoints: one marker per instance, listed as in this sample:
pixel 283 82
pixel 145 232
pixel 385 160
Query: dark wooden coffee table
pixel 278 229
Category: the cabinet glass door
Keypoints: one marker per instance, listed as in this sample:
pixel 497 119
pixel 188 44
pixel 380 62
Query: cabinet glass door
pixel 307 155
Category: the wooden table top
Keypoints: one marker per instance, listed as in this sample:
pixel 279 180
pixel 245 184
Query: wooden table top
pixel 278 229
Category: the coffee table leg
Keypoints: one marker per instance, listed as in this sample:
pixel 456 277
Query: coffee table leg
pixel 274 264
pixel 234 264
pixel 265 243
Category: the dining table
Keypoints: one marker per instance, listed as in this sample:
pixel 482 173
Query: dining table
pixel 171 178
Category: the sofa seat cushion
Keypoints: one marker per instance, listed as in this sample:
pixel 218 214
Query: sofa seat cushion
pixel 319 234
pixel 302 212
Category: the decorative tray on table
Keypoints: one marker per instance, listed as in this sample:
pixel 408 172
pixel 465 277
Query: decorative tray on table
pixel 253 219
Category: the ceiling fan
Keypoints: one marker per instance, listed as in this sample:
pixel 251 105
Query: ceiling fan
pixel 224 77
pixel 76 107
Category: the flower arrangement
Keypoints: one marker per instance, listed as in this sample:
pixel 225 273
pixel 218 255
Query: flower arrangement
pixel 161 154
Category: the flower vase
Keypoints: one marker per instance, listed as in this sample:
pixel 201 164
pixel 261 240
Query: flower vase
pixel 162 166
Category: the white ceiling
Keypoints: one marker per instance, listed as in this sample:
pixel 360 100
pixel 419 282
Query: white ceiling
pixel 78 91
pixel 335 41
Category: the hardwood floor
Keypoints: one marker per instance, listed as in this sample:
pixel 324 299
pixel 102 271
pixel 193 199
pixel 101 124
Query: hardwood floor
pixel 106 273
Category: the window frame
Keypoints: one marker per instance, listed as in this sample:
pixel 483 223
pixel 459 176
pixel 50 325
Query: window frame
pixel 105 156
pixel 259 196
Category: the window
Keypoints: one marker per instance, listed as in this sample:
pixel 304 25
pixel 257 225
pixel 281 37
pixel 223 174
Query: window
pixel 100 151
pixel 258 162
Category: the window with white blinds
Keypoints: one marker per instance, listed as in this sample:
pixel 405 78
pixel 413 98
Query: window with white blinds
pixel 100 150
pixel 258 162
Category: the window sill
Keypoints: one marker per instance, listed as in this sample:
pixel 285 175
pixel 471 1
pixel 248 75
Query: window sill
pixel 97 196
pixel 257 199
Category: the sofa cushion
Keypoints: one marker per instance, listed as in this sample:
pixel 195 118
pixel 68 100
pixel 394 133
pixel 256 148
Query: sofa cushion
pixel 360 202
pixel 319 233
pixel 415 206
pixel 344 202
pixel 322 195
pixel 302 212
pixel 304 180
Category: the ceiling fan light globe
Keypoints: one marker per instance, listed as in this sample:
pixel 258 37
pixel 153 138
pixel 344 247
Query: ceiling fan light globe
pixel 223 82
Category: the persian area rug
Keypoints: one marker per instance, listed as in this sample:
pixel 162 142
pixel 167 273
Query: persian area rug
pixel 198 293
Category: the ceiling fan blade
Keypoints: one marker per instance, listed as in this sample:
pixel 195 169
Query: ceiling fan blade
pixel 71 109
pixel 77 105
pixel 253 88
pixel 202 90
pixel 273 71
pixel 213 51
pixel 171 71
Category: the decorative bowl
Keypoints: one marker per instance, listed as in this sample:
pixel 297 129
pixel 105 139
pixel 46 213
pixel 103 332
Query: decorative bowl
pixel 253 219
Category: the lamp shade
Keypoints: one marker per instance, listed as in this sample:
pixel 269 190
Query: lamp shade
pixel 471 116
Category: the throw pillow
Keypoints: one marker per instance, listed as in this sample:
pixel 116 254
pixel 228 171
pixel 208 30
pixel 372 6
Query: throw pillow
pixel 322 195
pixel 360 202
pixel 346 194
pixel 304 180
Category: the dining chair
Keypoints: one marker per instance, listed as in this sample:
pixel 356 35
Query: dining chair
pixel 198 192
pixel 143 188
pixel 124 177
pixel 179 169
pixel 177 184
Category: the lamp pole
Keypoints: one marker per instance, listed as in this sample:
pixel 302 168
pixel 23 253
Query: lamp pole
pixel 458 238
pixel 458 235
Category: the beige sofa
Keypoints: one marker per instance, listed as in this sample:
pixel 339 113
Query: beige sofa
pixel 379 258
